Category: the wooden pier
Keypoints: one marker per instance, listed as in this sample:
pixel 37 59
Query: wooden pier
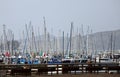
pixel 58 69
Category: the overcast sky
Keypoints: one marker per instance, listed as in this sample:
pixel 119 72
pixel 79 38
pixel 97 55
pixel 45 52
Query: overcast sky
pixel 100 15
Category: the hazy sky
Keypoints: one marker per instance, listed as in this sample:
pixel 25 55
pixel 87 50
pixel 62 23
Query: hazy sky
pixel 100 15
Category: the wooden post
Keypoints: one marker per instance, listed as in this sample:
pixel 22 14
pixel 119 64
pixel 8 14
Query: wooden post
pixel 57 68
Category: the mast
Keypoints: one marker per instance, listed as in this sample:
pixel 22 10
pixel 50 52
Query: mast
pixel 67 50
pixel 1 44
pixel 29 41
pixel 63 44
pixel 102 42
pixel 4 37
pixel 83 41
pixel 92 49
pixel 33 40
pixel 79 42
pixel 87 43
pixel 25 45
pixel 5 46
pixel 114 42
pixel 39 41
pixel 110 44
pixel 71 38
pixel 26 39
pixel 45 34
pixel 49 45
pixel 95 48
pixel 58 42
pixel 54 45
pixel 12 43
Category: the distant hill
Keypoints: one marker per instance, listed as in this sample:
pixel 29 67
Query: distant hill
pixel 108 40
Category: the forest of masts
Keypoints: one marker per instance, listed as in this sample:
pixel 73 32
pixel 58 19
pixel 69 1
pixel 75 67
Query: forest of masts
pixel 74 42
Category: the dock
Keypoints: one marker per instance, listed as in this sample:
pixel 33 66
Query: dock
pixel 59 69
